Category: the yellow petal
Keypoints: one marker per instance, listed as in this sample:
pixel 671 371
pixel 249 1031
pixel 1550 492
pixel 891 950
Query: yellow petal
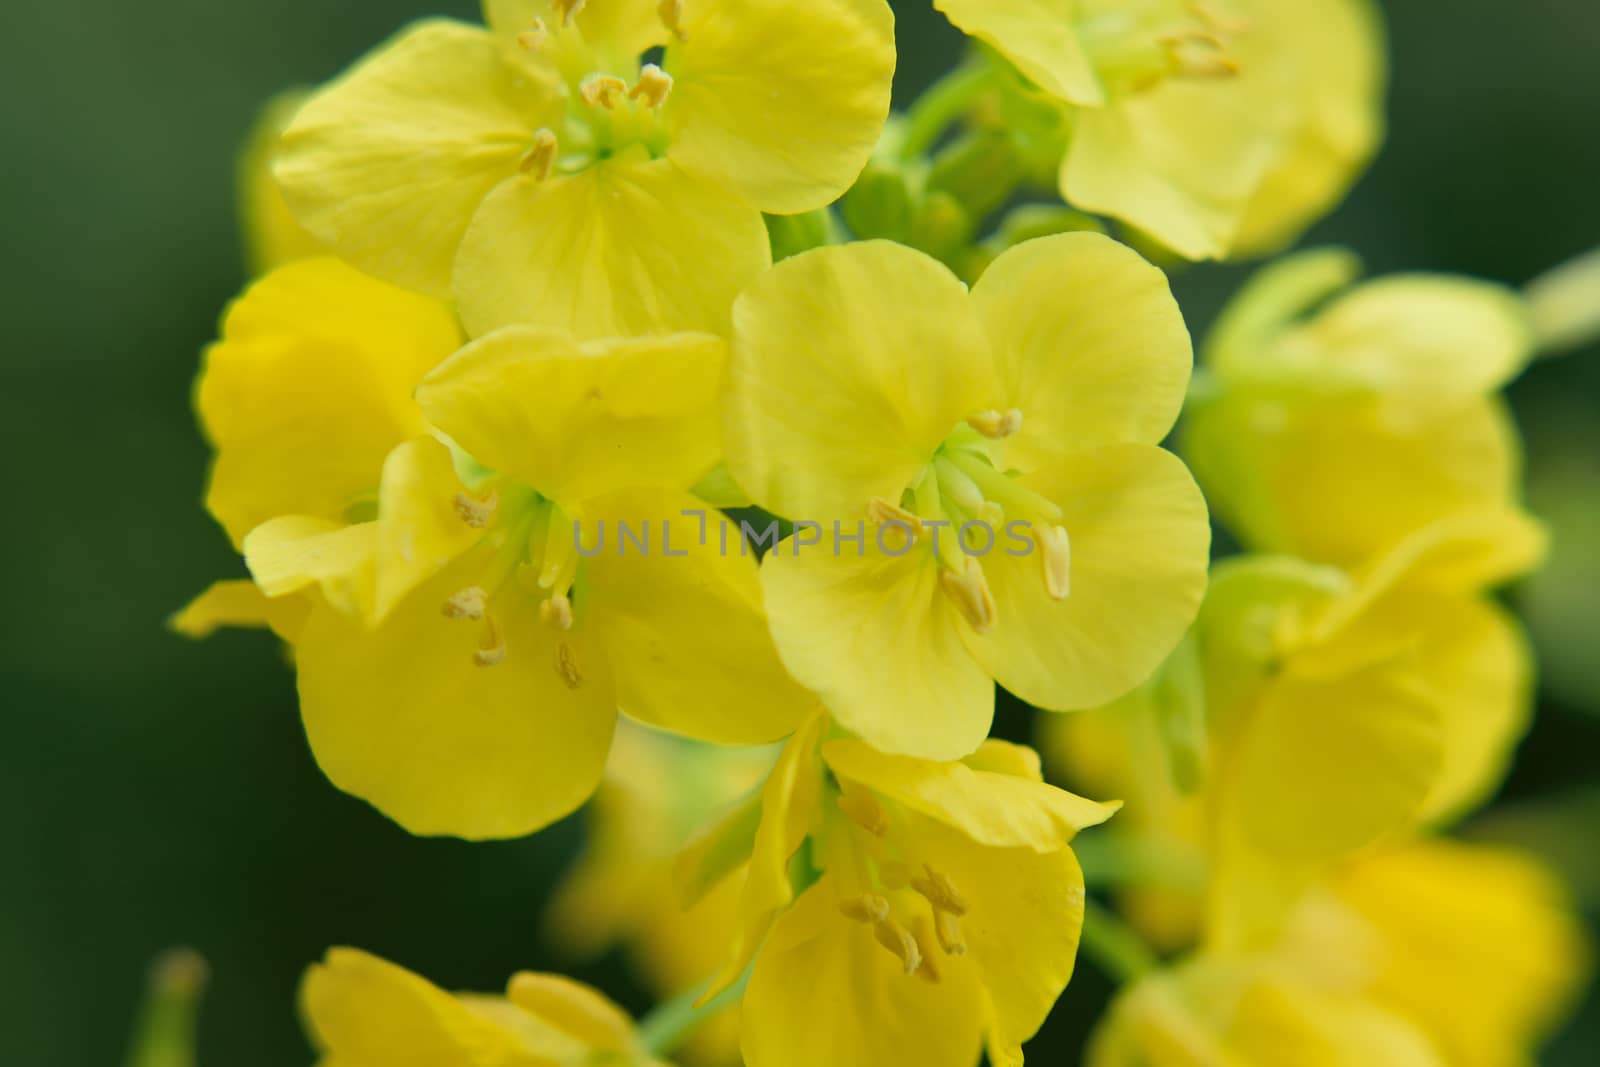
pixel 420 531
pixel 364 1011
pixel 825 992
pixel 1091 346
pixel 1290 781
pixel 1003 757
pixel 994 809
pixel 1140 543
pixel 790 800
pixel 1339 483
pixel 240 603
pixel 310 387
pixel 573 1008
pixel 1039 38
pixel 272 235
pixel 879 641
pixel 295 553
pixel 681 620
pixel 815 431
pixel 753 109
pixel 628 246
pixel 533 403
pixel 403 717
pixel 388 164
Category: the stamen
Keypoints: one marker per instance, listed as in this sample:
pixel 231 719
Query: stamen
pixel 969 591
pixel 1055 549
pixel 653 86
pixel 535 38
pixel 568 9
pixel 996 425
pixel 469 603
pixel 539 159
pixel 557 612
pixel 866 908
pixel 603 90
pixel 476 513
pixel 864 810
pixel 1198 54
pixel 671 12
pixel 567 666
pixel 930 969
pixel 898 940
pixel 492 650
pixel 881 511
pixel 948 927
pixel 939 891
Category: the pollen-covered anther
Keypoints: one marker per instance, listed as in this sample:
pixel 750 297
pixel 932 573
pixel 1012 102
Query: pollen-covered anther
pixel 863 809
pixel 652 87
pixel 540 159
pixel 882 511
pixel 557 611
pixel 996 425
pixel 474 512
pixel 568 9
pixel 1055 551
pixel 969 591
pixel 671 12
pixel 603 90
pixel 567 666
pixel 469 603
pixel 491 650
pixel 898 940
pixel 1199 54
pixel 947 926
pixel 866 908
pixel 535 37
pixel 939 891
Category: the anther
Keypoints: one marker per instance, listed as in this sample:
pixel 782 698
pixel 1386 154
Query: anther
pixel 938 891
pixel 866 908
pixel 535 38
pixel 969 591
pixel 469 603
pixel 539 159
pixel 567 666
pixel 996 425
pixel 568 9
pixel 863 809
pixel 948 928
pixel 671 12
pixel 603 90
pixel 929 970
pixel 557 611
pixel 475 513
pixel 653 86
pixel 492 650
pixel 1055 549
pixel 1198 54
pixel 898 940
pixel 881 511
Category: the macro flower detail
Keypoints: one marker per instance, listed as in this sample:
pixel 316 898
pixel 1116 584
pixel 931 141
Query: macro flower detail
pixel 995 452
pixel 541 171
pixel 1220 128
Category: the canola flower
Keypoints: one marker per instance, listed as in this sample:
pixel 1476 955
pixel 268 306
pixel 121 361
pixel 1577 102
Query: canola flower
pixel 518 338
pixel 540 170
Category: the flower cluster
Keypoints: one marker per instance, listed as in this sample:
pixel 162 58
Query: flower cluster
pixel 554 311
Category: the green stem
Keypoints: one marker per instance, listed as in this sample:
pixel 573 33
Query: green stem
pixel 1115 948
pixel 945 101
pixel 665 1028
pixel 164 1032
pixel 1565 305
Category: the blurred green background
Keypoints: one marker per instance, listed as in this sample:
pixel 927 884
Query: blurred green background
pixel 156 792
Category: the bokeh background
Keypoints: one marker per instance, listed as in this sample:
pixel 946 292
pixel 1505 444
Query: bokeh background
pixel 155 792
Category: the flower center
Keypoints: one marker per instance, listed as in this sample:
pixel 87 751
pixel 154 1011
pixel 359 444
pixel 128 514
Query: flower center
pixel 1137 45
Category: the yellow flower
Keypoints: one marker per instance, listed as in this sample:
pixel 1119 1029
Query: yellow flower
pixel 365 1012
pixel 1022 418
pixel 272 236
pixel 303 396
pixel 1221 128
pixel 944 914
pixel 1426 953
pixel 541 173
pixel 1335 434
pixel 471 642
pixel 657 790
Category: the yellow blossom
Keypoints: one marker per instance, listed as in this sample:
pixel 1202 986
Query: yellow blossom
pixel 366 1012
pixel 1333 432
pixel 943 916
pixel 1221 128
pixel 993 454
pixel 541 172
